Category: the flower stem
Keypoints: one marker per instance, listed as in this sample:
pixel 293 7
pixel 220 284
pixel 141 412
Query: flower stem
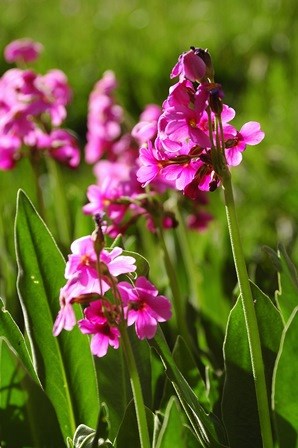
pixel 136 389
pixel 249 314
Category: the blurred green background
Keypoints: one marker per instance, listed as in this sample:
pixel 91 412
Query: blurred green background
pixel 254 45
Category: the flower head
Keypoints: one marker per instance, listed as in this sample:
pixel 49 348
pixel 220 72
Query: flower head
pixel 101 322
pixel 144 307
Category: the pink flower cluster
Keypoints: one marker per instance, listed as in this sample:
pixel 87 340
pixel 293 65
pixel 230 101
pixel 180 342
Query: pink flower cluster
pixel 193 121
pixel 32 109
pixel 117 192
pixel 89 277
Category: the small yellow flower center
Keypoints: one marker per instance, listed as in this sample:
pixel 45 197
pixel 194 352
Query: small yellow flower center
pixel 85 260
pixel 192 123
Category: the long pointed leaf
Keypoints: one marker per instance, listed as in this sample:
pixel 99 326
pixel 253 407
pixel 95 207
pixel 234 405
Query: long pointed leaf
pixel 239 404
pixel 64 364
pixel 287 296
pixel 285 386
pixel 207 428
pixel 13 336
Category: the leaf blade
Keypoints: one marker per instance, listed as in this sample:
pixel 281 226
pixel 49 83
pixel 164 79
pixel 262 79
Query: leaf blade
pixel 65 364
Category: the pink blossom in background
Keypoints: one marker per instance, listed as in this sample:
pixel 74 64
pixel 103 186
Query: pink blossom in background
pixel 63 146
pixel 104 118
pixel 144 307
pixel 10 146
pixel 56 94
pixel 25 50
pixel 146 128
pixel 29 104
pixel 104 334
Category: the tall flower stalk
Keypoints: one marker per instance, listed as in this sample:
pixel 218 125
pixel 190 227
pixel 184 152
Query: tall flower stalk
pixel 195 147
pixel 249 314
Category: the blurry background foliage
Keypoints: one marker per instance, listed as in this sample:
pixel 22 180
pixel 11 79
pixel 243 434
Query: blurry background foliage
pixel 254 46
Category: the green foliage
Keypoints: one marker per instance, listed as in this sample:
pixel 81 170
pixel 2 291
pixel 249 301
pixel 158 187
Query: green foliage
pixel 287 295
pixel 172 432
pixel 64 364
pixel 285 389
pixel 206 427
pixel 12 335
pixel 240 414
pixel 128 431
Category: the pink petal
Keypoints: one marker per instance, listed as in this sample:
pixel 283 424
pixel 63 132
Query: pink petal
pixel 251 133
pixel 233 156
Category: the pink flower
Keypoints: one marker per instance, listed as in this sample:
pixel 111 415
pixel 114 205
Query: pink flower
pixel 146 129
pixel 104 118
pixel 96 323
pixel 189 66
pixel 144 307
pixel 150 164
pixel 56 94
pixel 82 263
pixel 63 146
pixel 66 318
pixel 9 151
pixel 25 50
pixel 249 134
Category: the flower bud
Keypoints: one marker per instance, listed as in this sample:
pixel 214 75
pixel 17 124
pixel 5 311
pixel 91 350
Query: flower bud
pixel 190 66
pixel 204 55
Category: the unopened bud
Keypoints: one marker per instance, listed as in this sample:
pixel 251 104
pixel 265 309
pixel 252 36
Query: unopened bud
pixel 206 58
pixel 190 66
pixel 97 235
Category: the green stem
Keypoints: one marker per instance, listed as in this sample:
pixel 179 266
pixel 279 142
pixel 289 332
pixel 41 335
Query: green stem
pixel 178 302
pixel 136 389
pixel 249 313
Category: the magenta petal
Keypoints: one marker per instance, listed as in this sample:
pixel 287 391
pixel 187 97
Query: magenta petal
pixel 65 320
pixel 99 345
pixel 233 156
pixel 251 133
pixel 146 174
pixel 161 307
pixel 145 326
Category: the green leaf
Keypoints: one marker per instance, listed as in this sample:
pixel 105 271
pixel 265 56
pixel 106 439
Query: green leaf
pixel 26 415
pixel 141 263
pixel 14 429
pixel 187 366
pixel 172 431
pixel 285 386
pixel 128 435
pixel 287 296
pixel 10 332
pixel 207 428
pixel 114 384
pixel 239 405
pixel 114 387
pixel 64 364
